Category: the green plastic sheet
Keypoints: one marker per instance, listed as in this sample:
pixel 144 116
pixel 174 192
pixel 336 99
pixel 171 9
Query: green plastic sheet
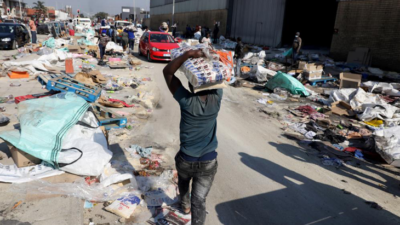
pixel 44 123
pixel 282 80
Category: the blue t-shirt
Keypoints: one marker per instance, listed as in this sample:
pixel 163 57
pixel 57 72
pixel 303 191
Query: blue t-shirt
pixel 131 35
pixel 198 127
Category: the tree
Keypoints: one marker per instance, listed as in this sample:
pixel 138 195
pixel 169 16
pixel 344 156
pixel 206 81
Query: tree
pixel 41 9
pixel 101 15
pixel 81 15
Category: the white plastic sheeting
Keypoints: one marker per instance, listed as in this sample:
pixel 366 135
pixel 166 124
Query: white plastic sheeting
pixel 388 144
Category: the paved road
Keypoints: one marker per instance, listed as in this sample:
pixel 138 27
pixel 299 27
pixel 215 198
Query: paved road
pixel 264 178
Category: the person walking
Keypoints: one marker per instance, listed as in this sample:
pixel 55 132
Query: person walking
pixel 131 37
pixel 103 41
pixel 297 44
pixel 239 54
pixel 174 27
pixel 32 26
pixel 125 39
pixel 215 32
pixel 71 28
pixel 196 160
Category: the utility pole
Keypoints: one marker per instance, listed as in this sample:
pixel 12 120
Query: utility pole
pixel 173 12
pixel 20 11
pixel 134 12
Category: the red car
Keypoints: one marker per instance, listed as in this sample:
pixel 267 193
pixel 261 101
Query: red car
pixel 157 46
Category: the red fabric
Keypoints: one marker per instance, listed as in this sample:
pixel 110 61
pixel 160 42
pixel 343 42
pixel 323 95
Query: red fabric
pixel 351 149
pixel 124 103
pixel 71 32
pixel 307 109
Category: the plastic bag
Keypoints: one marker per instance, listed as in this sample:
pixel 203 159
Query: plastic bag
pixel 124 206
pixel 84 149
pixel 80 189
pixel 116 172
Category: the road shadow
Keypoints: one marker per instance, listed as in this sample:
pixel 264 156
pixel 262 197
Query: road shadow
pixel 301 201
pixel 386 183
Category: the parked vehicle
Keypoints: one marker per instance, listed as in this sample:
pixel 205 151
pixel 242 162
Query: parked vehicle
pixel 157 46
pixel 122 23
pixel 13 35
pixel 43 29
pixel 85 22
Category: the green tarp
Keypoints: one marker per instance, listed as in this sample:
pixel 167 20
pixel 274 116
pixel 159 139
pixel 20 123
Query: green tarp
pixel 282 80
pixel 50 43
pixel 44 123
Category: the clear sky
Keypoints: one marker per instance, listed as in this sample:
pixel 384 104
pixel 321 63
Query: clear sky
pixel 111 7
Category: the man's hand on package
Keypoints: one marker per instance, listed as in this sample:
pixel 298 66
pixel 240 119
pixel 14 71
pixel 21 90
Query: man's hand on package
pixel 195 53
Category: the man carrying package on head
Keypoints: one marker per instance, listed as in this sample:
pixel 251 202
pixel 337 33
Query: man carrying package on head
pixel 197 158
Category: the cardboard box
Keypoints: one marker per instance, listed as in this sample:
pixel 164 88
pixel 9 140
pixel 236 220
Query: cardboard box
pixel 22 159
pixel 312 75
pixel 302 65
pixel 342 109
pixel 310 67
pixel 350 80
pixel 69 65
pixel 74 49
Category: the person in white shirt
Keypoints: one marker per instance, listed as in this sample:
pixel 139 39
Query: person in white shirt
pixel 206 39
pixel 197 35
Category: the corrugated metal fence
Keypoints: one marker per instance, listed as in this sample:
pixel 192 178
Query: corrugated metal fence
pixel 258 21
pixel 158 7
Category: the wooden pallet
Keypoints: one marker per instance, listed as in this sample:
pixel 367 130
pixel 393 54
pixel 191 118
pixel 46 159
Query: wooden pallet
pixel 322 80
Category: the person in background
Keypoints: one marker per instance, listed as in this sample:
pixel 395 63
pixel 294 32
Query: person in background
pixel 71 28
pixel 215 33
pixel 164 27
pixel 37 22
pixel 119 35
pixel 174 27
pixel 188 31
pixel 103 22
pixel 196 160
pixel 103 41
pixel 131 37
pixel 207 40
pixel 197 34
pixel 297 44
pixel 239 54
pixel 145 29
pixel 32 26
pixel 125 38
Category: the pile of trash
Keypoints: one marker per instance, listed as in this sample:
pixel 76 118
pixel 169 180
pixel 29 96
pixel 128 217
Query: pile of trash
pixel 70 128
pixel 342 123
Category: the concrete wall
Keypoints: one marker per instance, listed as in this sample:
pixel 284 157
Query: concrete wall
pixel 371 23
pixel 203 18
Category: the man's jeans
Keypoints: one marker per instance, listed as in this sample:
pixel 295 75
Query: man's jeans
pixel 34 37
pixel 202 174
pixel 131 44
pixel 238 67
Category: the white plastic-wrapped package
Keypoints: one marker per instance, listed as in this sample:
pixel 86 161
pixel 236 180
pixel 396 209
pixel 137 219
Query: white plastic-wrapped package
pixel 202 71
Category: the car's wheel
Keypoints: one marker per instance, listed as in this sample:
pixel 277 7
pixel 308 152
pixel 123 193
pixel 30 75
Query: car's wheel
pixel 14 45
pixel 148 57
